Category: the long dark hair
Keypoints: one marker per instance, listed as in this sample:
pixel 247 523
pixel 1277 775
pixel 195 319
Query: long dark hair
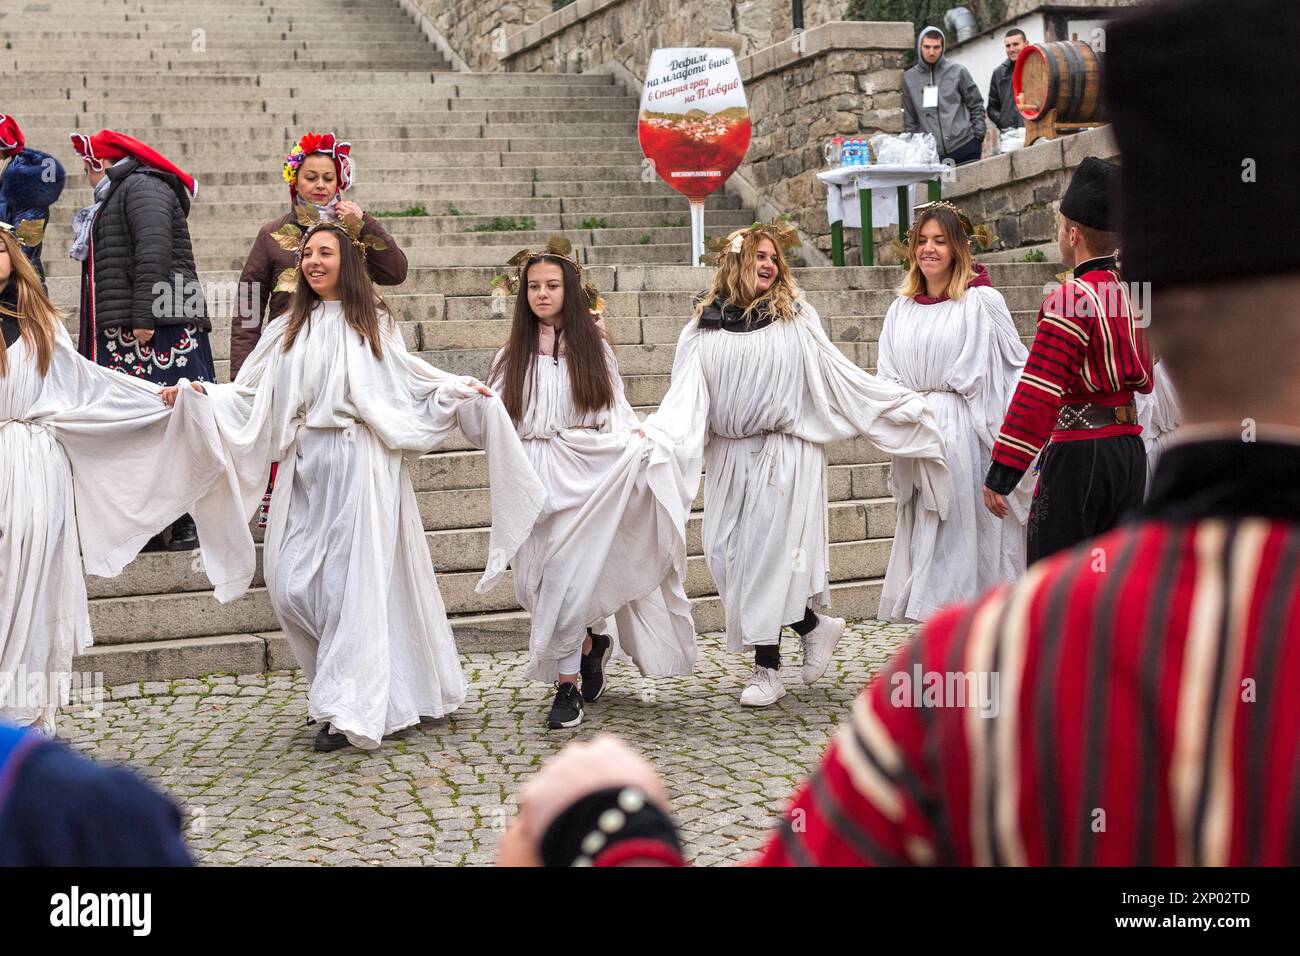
pixel 361 304
pixel 583 343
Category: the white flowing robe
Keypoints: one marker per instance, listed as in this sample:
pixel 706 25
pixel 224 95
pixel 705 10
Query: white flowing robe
pixel 1159 414
pixel 965 357
pixel 92 465
pixel 612 541
pixel 346 561
pixel 755 409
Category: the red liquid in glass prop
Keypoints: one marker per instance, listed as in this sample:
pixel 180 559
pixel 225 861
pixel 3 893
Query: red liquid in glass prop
pixel 695 152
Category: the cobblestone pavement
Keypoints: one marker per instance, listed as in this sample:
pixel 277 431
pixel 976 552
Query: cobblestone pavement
pixel 236 753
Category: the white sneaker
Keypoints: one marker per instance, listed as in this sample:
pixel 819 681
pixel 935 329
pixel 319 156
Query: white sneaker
pixel 819 645
pixel 765 687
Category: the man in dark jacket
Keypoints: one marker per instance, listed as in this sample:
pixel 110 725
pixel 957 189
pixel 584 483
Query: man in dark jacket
pixel 1002 97
pixel 941 98
pixel 142 306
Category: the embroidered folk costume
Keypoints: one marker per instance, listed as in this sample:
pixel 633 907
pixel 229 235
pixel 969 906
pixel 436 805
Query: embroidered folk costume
pixel 1075 398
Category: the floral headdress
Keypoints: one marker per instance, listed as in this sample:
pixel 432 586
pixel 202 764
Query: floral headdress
pixel 781 230
pixel 979 237
pixel 293 238
pixel 559 247
pixel 324 144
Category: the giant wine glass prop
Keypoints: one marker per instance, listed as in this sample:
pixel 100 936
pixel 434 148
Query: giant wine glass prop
pixel 694 124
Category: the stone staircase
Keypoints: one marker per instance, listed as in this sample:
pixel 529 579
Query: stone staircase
pixel 555 153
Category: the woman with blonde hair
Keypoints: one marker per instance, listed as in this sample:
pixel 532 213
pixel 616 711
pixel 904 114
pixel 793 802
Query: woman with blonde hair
pixel 757 391
pixel 80 452
pixel 949 336
pixel 331 393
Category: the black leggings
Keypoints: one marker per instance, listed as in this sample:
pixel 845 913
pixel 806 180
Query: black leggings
pixel 769 655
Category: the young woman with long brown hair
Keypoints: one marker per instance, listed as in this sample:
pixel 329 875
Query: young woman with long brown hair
pixel 758 390
pixel 612 542
pixel 331 393
pixel 81 450
pixel 949 336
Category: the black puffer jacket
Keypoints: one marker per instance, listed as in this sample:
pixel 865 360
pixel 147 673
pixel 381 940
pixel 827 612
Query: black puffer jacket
pixel 144 263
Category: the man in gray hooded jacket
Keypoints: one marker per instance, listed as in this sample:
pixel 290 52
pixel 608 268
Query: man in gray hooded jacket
pixel 941 98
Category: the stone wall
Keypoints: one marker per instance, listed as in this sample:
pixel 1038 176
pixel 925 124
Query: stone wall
pixel 618 35
pixel 477 30
pixel 1018 193
pixel 1016 8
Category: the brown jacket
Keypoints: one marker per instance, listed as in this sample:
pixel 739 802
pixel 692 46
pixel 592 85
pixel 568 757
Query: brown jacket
pixel 266 260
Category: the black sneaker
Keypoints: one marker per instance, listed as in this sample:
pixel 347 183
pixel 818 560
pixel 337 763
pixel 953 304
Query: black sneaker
pixel 185 536
pixel 592 667
pixel 326 741
pixel 566 711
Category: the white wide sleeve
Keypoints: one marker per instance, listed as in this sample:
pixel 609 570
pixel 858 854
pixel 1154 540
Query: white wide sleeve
pixel 679 427
pixel 136 467
pixel 845 401
pixel 240 418
pixel 985 375
pixel 886 367
pixel 445 401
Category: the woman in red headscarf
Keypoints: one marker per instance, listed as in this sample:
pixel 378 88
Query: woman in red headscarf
pixel 318 170
pixel 143 311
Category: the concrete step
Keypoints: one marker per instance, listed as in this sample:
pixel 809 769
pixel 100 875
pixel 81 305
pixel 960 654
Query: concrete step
pixel 473 633
pixel 289 80
pixel 433 87
pixel 161 617
pixel 498 184
pixel 565 180
pixel 666 204
pixel 415 103
pixel 458 539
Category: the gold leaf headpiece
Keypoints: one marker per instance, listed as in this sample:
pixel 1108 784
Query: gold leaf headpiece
pixel 293 238
pixel 557 246
pixel 979 237
pixel 781 230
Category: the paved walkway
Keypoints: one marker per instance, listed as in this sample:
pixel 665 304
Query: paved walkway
pixel 236 753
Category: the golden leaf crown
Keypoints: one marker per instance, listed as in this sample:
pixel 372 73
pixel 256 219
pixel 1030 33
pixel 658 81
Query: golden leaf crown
pixel 29 233
pixel 557 246
pixel 979 237
pixel 293 237
pixel 781 230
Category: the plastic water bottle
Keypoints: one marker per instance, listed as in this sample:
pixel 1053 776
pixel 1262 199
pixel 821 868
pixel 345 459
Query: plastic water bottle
pixel 851 153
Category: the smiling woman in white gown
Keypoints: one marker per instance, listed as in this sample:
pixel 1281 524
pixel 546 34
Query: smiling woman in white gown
pixel 757 392
pixel 81 450
pixel 613 540
pixel 331 393
pixel 950 337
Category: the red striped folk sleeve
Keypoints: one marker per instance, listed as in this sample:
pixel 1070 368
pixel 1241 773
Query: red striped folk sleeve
pixel 1055 360
pixel 885 791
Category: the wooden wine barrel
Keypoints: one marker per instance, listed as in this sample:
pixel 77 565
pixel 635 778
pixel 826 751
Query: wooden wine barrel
pixel 1064 76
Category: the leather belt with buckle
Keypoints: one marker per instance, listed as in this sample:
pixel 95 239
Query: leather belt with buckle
pixel 1076 417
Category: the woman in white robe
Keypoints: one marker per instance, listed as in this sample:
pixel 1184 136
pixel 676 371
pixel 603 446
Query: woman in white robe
pixel 950 337
pixel 82 483
pixel 345 558
pixel 612 542
pixel 755 397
